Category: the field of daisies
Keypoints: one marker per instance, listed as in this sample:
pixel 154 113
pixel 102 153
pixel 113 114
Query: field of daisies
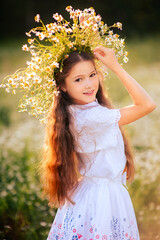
pixel 24 214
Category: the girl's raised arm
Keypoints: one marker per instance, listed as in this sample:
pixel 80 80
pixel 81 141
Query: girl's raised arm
pixel 143 103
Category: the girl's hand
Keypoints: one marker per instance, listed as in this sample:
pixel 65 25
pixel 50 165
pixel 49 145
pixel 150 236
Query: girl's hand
pixel 107 56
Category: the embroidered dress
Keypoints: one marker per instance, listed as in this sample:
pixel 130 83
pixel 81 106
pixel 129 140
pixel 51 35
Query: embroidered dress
pixel 103 208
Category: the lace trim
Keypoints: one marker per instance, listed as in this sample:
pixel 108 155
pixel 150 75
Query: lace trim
pixel 117 116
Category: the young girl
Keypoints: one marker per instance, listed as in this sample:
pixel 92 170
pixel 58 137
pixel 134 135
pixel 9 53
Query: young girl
pixel 87 154
pixel 87 157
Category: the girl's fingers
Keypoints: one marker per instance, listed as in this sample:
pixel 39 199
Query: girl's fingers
pixel 101 48
pixel 81 18
pixel 106 56
pixel 99 56
pixel 101 53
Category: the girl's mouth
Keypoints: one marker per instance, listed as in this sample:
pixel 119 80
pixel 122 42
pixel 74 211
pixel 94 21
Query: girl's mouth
pixel 89 93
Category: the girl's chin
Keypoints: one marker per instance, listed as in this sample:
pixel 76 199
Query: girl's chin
pixel 85 99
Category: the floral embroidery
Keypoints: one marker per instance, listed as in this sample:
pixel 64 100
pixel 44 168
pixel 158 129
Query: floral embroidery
pixel 79 236
pixel 60 226
pixel 104 237
pixel 75 237
pixel 67 229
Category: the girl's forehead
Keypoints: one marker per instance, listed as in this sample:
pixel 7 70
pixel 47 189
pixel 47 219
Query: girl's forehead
pixel 82 68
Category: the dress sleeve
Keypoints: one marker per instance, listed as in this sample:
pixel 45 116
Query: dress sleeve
pixel 96 129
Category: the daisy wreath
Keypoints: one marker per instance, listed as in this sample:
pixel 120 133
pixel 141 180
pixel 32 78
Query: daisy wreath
pixel 49 47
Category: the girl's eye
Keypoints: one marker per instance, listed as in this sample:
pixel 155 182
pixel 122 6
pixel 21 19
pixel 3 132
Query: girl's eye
pixel 93 74
pixel 78 79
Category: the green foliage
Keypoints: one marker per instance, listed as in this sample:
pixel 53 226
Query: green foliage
pixel 146 201
pixel 24 215
pixel 5 116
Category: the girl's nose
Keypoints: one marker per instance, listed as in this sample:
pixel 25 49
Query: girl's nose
pixel 88 83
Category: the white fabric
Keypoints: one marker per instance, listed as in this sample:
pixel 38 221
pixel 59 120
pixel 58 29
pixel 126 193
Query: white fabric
pixel 94 127
pixel 103 208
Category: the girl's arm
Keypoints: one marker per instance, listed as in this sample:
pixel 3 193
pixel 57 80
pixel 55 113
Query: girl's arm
pixel 143 103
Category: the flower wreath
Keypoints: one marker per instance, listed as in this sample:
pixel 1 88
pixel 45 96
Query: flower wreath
pixel 50 46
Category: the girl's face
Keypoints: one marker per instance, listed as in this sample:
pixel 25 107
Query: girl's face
pixel 82 83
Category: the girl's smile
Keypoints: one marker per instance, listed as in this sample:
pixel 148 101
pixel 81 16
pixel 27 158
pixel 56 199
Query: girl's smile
pixel 89 93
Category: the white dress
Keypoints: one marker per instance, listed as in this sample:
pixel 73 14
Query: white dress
pixel 103 208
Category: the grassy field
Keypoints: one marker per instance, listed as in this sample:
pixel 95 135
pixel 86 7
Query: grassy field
pixel 24 215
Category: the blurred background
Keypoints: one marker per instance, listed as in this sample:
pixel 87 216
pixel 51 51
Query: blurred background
pixel 24 214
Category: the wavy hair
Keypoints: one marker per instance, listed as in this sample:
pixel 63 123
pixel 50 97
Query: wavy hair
pixel 59 166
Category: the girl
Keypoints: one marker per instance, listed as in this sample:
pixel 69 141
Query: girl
pixel 87 155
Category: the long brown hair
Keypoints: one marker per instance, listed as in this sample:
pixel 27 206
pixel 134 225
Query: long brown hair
pixel 59 166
